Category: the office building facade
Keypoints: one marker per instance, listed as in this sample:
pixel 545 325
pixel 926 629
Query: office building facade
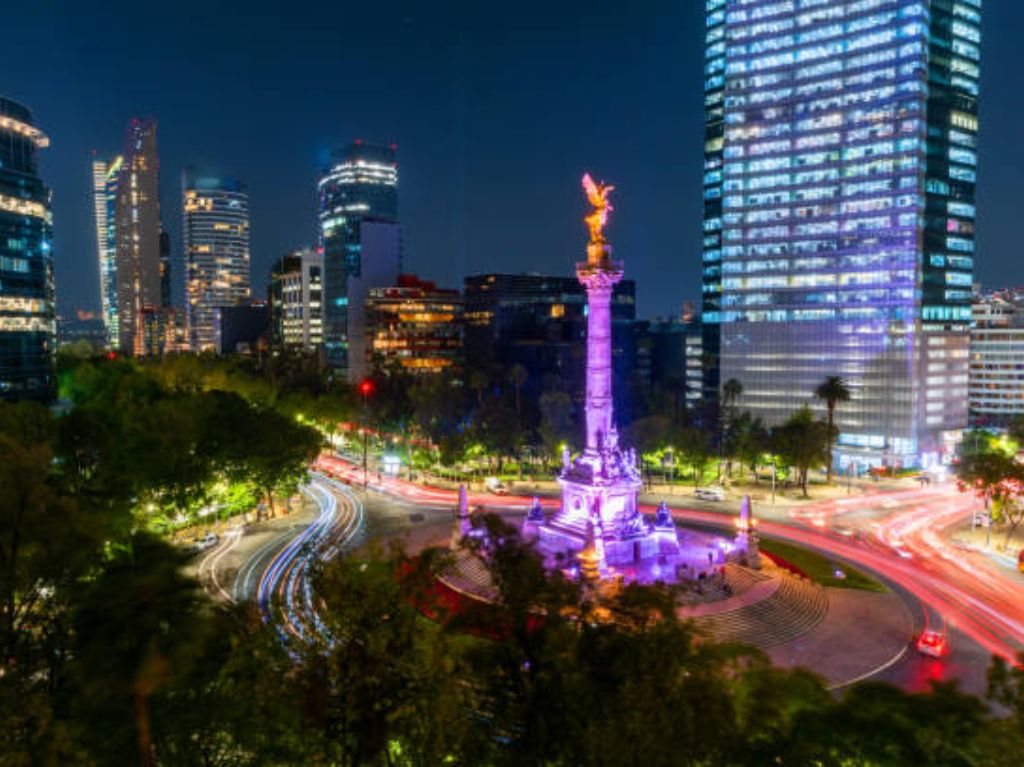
pixel 242 328
pixel 413 327
pixel 840 161
pixel 216 236
pixel 996 391
pixel 361 242
pixel 105 175
pixel 137 235
pixel 295 298
pixel 27 312
pixel 539 321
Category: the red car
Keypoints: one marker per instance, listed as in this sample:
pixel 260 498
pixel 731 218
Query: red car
pixel 932 642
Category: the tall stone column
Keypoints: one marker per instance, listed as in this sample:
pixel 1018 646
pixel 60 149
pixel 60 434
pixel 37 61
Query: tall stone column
pixel 599 275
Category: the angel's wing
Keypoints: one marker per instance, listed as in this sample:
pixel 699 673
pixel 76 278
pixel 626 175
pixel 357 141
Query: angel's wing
pixel 593 193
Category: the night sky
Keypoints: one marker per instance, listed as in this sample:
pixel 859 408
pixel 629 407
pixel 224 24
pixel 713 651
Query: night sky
pixel 497 109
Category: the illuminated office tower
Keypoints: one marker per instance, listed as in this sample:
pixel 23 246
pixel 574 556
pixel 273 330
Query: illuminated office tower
pixel 361 241
pixel 840 158
pixel 105 175
pixel 27 318
pixel 216 229
pixel 413 327
pixel 137 227
pixel 295 296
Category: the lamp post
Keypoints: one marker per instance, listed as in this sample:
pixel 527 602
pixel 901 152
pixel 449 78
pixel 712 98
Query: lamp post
pixel 365 388
pixel 773 488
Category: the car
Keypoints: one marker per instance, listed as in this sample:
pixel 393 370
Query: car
pixel 709 493
pixel 496 486
pixel 206 542
pixel 932 643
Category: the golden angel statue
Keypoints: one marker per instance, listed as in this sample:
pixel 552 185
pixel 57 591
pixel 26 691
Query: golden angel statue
pixel 597 193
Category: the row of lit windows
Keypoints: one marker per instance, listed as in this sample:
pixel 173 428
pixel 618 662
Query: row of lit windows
pixel 809 315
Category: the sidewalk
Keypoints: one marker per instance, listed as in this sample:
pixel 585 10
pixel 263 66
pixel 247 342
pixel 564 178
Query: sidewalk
pixel 996 550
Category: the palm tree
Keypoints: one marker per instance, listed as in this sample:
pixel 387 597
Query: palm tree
pixel 517 376
pixel 478 382
pixel 732 390
pixel 832 391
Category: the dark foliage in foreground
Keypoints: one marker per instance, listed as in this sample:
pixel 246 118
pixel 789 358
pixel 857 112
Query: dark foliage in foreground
pixel 109 655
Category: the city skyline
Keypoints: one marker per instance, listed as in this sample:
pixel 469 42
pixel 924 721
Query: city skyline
pixel 477 156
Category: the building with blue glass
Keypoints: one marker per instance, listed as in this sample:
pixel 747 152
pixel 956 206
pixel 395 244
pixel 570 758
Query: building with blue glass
pixel 361 242
pixel 27 317
pixel 840 161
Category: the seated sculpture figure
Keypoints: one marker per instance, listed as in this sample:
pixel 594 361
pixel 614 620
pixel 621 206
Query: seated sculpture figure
pixel 663 517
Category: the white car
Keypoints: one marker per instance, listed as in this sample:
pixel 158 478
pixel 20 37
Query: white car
pixel 709 493
pixel 202 544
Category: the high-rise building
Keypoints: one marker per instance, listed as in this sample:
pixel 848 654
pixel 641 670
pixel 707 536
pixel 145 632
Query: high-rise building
pixel 539 321
pixel 166 270
pixel 27 315
pixel 295 298
pixel 242 328
pixel 996 389
pixel 414 327
pixel 137 228
pixel 839 189
pixel 105 175
pixel 216 234
pixel 361 242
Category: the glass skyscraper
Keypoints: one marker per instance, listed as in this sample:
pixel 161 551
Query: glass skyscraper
pixel 840 161
pixel 360 187
pixel 105 176
pixel 216 229
pixel 27 320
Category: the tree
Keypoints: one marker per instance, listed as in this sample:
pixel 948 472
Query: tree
pixel 693 446
pixel 278 453
pixel 138 629
pixel 479 380
pixel 832 391
pixel 803 442
pixel 498 429
pixel 649 434
pixel 556 421
pixel 390 680
pixel 518 376
pixel 997 477
pixel 732 390
pixel 749 440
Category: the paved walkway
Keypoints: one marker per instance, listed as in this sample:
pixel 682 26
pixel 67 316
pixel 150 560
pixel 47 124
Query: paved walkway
pixel 863 633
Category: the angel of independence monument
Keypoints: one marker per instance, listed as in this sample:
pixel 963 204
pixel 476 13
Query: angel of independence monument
pixel 599 513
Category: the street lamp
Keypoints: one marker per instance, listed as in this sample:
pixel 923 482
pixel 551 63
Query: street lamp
pixel 366 389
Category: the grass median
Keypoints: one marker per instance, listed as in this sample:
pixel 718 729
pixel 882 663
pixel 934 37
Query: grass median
pixel 820 568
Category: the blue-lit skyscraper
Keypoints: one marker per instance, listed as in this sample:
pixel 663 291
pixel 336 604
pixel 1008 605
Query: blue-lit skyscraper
pixel 27 321
pixel 840 161
pixel 361 241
